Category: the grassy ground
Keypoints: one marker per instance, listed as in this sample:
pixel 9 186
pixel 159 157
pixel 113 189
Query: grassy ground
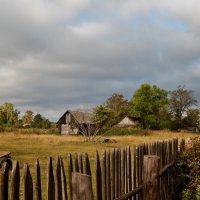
pixel 28 147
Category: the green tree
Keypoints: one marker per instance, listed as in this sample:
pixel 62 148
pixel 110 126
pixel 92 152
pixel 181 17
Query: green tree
pixel 180 101
pixel 41 122
pixel 27 118
pixel 146 104
pixel 9 116
pixel 192 118
pixel 111 111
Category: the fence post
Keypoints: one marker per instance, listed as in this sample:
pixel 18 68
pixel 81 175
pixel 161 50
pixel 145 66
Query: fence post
pixel 38 190
pixel 81 186
pixel 4 182
pixel 28 183
pixel 151 167
pixel 15 182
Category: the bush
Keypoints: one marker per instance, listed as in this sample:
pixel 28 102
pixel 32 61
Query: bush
pixel 187 173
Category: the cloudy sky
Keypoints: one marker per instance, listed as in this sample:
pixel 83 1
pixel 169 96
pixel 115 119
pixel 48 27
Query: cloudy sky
pixel 69 54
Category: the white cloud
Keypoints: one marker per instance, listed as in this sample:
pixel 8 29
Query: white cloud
pixel 57 54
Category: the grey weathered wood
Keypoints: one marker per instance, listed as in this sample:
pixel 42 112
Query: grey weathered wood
pixel 63 180
pixel 151 168
pixel 87 165
pixel 80 163
pixel 28 183
pixel 70 170
pixel 4 182
pixel 130 194
pixel 50 181
pixel 15 182
pixel 57 180
pixel 98 178
pixel 108 186
pixel 135 169
pixel 123 172
pixel 129 169
pixel 104 191
pixel 76 166
pixel 116 174
pixel 112 174
pixel 38 190
pixel 119 171
pixel 81 187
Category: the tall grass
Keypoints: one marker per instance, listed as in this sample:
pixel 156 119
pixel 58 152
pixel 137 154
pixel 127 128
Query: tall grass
pixel 27 148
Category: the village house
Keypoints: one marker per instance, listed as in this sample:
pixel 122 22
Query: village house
pixel 73 122
pixel 127 122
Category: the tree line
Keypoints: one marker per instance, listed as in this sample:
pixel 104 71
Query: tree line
pixel 10 118
pixel 153 108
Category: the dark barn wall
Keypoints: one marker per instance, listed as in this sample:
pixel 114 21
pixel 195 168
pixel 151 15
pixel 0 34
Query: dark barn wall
pixel 61 121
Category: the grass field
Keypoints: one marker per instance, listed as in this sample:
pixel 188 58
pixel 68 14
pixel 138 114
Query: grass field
pixel 28 147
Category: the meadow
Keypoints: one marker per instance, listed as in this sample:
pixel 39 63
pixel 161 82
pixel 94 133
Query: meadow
pixel 27 148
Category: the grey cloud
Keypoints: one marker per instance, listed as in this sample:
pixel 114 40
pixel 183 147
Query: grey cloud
pixel 50 61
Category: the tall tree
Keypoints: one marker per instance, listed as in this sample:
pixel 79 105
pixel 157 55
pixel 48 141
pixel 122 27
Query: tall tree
pixel 181 100
pixel 40 122
pixel 27 117
pixel 192 118
pixel 9 116
pixel 111 111
pixel 147 102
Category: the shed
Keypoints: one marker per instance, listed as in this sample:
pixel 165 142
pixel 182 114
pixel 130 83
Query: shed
pixel 71 121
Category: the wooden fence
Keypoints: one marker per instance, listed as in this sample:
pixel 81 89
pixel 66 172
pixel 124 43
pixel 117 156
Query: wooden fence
pixel 119 174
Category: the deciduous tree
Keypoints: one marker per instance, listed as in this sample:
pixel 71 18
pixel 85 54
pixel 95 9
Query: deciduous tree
pixel 180 101
pixel 146 104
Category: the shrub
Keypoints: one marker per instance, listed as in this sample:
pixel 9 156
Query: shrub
pixel 187 173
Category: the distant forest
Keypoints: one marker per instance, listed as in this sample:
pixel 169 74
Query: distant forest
pixel 152 106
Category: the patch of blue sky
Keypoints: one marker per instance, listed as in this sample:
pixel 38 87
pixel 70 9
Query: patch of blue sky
pixel 154 18
pixel 88 16
pixel 167 21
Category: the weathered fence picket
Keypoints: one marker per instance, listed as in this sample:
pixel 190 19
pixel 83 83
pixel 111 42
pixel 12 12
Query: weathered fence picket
pixel 120 174
pixel 15 181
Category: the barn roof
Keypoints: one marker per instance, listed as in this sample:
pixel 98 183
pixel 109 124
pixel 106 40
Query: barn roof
pixel 81 117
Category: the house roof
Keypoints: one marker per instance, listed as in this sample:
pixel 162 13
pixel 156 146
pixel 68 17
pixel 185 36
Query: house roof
pixel 81 117
pixel 127 121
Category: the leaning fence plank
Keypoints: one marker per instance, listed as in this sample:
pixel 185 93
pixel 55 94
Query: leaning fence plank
pixel 104 192
pixel 135 169
pixel 15 182
pixel 4 182
pixel 38 190
pixel 108 186
pixel 98 177
pixel 50 181
pixel 63 180
pixel 87 165
pixel 123 172
pixel 80 163
pixel 129 169
pixel 81 187
pixel 151 170
pixel 28 183
pixel 70 170
pixel 112 174
pixel 119 171
pixel 57 179
pixel 76 167
pixel 116 174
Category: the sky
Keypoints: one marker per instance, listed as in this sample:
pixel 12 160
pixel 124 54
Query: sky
pixel 57 55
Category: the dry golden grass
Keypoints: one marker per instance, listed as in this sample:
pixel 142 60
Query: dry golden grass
pixel 27 148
